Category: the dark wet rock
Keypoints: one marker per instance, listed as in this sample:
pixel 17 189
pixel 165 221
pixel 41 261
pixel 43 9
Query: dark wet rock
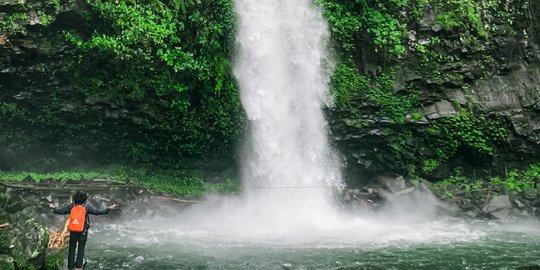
pixel 519 204
pixel 4 216
pixel 439 109
pixel 367 198
pixel 536 202
pixel 428 18
pixel 16 203
pixel 467 204
pixel 26 242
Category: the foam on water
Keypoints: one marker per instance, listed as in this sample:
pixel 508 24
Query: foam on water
pixel 362 231
pixel 451 244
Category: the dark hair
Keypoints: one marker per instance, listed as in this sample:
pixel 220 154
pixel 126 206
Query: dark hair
pixel 79 197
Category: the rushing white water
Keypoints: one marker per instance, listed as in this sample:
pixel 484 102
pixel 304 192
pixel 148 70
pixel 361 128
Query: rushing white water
pixel 289 166
pixel 290 170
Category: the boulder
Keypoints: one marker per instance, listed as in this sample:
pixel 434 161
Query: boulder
pixel 499 206
pixel 466 204
pixel 26 242
pixel 439 109
pixel 530 194
pixel 519 204
pixel 16 203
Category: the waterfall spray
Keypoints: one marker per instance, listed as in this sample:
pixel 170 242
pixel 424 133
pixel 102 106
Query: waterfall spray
pixel 282 69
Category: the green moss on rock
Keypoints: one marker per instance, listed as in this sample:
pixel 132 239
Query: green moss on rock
pixel 56 259
pixel 6 262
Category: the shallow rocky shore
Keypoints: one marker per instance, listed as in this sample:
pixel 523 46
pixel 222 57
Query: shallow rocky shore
pixel 478 204
pixel 28 221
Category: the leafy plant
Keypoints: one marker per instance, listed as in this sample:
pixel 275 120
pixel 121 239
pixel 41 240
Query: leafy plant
pixel 515 180
pixel 519 180
pixel 459 14
pixel 180 183
pixel 166 61
pixel 476 133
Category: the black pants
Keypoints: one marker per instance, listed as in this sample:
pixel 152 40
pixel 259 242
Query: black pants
pixel 76 239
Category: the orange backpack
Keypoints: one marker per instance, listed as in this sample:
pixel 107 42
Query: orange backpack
pixel 77 218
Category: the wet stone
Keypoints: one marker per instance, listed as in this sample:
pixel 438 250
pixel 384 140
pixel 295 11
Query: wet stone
pixel 287 266
pixel 519 204
pixel 27 242
pixel 499 206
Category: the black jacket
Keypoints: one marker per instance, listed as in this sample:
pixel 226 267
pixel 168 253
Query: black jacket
pixel 90 209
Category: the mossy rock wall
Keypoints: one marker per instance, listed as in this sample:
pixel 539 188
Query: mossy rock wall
pixel 461 90
pixel 421 87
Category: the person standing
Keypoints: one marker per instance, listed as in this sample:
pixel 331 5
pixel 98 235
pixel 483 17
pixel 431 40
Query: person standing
pixel 79 223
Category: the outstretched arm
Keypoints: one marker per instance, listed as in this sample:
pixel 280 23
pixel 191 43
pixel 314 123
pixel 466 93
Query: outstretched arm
pixel 98 211
pixel 62 210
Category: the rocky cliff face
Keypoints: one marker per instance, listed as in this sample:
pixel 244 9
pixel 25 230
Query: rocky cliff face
pixel 30 231
pixel 473 95
pixel 467 83
pixel 35 84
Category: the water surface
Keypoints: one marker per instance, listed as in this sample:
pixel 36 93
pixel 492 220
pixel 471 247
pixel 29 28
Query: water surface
pixel 451 244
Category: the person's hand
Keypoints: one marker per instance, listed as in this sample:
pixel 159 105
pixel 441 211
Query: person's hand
pixel 51 206
pixel 112 206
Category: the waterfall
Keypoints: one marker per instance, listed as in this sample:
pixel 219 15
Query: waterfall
pixel 283 71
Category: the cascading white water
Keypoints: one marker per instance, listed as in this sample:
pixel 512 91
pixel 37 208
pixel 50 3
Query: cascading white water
pixel 282 70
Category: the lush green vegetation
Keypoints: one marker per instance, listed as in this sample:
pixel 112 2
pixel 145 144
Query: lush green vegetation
pixel 156 83
pixel 368 29
pixel 180 183
pixel 463 14
pixel 526 181
pixel 476 133
pixel 10 23
pixel 368 73
pixel 175 58
pixel 149 84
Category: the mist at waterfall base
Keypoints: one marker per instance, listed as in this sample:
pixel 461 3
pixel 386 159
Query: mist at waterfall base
pixel 220 234
pixel 286 216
